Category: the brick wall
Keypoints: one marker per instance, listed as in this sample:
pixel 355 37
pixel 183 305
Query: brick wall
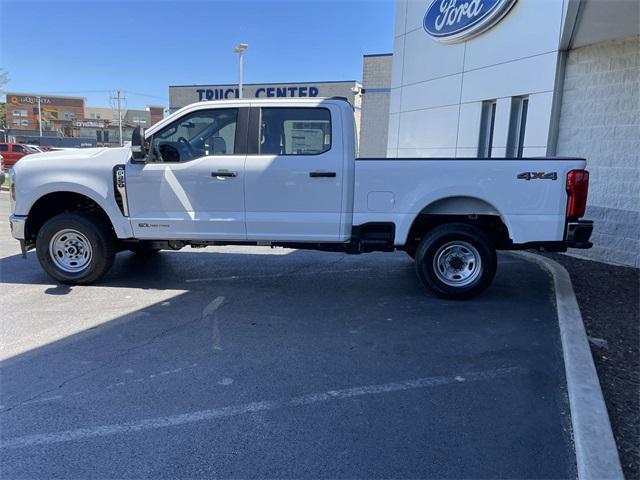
pixel 156 114
pixel 600 120
pixel 376 82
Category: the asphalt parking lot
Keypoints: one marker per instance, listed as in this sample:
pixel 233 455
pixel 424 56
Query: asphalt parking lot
pixel 252 362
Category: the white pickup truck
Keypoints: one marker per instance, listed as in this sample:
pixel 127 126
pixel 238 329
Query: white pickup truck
pixel 284 173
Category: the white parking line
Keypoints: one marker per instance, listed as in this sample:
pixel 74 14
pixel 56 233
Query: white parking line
pixel 207 313
pixel 253 407
pixel 213 306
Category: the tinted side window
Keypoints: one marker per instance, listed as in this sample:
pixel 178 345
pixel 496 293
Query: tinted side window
pixel 18 148
pixel 4 148
pixel 199 134
pixel 295 131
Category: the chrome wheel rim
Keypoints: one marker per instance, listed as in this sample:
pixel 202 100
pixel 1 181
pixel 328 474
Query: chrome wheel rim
pixel 70 250
pixel 457 264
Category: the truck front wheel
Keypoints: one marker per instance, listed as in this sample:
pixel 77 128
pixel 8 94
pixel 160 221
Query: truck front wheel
pixel 456 261
pixel 75 248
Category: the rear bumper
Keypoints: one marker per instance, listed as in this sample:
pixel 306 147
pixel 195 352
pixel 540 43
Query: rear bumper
pixel 579 233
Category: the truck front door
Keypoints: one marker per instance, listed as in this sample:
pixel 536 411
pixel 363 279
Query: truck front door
pixel 191 187
pixel 294 175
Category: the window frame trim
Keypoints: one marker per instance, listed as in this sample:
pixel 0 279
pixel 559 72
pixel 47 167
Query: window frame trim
pixel 487 128
pixel 255 122
pixel 519 111
pixel 239 138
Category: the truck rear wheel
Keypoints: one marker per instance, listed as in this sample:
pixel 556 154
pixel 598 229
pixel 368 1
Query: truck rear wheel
pixel 456 261
pixel 75 248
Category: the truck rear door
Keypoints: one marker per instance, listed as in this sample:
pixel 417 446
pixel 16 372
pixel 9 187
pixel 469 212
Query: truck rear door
pixel 294 173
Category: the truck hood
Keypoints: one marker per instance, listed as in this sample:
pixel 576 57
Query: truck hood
pixel 74 159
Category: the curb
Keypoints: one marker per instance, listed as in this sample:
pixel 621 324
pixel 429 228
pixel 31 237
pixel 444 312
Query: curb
pixel 596 450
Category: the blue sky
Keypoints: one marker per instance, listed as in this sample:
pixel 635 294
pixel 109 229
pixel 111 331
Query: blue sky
pixel 89 48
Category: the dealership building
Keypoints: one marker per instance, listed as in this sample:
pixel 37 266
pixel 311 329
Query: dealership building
pixel 514 78
pixel 502 78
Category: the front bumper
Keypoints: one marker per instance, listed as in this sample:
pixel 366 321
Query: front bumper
pixel 17 224
pixel 579 233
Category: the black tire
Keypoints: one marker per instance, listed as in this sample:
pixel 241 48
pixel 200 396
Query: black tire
pixel 95 231
pixel 410 249
pixel 454 244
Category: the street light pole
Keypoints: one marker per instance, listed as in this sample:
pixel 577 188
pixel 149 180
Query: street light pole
pixel 39 115
pixel 240 50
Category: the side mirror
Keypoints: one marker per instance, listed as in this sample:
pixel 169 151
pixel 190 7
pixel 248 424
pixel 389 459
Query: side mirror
pixel 138 148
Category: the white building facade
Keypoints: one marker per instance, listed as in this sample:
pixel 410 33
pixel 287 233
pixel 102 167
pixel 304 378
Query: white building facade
pixel 513 78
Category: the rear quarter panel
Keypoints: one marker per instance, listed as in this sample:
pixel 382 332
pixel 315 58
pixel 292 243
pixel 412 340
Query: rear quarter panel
pixel 397 190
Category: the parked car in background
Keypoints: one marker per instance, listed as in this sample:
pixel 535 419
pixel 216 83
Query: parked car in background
pixel 12 152
pixel 35 148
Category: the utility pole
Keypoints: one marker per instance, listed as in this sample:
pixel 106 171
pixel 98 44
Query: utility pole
pixel 240 50
pixel 39 115
pixel 119 98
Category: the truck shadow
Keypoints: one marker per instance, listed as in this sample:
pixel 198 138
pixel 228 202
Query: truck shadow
pixel 189 269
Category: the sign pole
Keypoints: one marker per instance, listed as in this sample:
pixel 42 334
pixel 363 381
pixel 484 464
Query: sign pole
pixel 240 75
pixel 120 119
pixel 39 115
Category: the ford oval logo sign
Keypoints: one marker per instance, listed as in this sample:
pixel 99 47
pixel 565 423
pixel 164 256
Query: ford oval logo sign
pixel 451 21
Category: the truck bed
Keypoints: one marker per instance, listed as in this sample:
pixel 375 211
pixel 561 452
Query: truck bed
pixel 528 193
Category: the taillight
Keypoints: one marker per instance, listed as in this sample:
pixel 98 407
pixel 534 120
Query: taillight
pixel 577 188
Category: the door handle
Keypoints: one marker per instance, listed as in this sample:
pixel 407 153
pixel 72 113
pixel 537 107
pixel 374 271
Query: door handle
pixel 224 173
pixel 322 174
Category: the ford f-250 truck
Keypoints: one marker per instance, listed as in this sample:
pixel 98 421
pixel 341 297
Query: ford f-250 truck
pixel 283 173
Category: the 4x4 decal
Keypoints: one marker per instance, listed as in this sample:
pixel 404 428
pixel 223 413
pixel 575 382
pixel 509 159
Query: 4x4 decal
pixel 538 176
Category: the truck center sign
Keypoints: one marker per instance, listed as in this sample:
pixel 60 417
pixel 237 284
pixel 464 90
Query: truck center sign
pixel 182 95
pixel 262 92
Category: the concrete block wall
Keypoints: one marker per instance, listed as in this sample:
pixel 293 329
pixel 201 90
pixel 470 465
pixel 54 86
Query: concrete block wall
pixel 376 84
pixel 600 120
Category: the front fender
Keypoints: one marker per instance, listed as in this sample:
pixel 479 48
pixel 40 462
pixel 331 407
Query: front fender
pixel 100 192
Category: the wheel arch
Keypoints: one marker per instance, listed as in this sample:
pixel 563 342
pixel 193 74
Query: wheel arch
pixel 464 209
pixel 53 203
pixel 460 205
